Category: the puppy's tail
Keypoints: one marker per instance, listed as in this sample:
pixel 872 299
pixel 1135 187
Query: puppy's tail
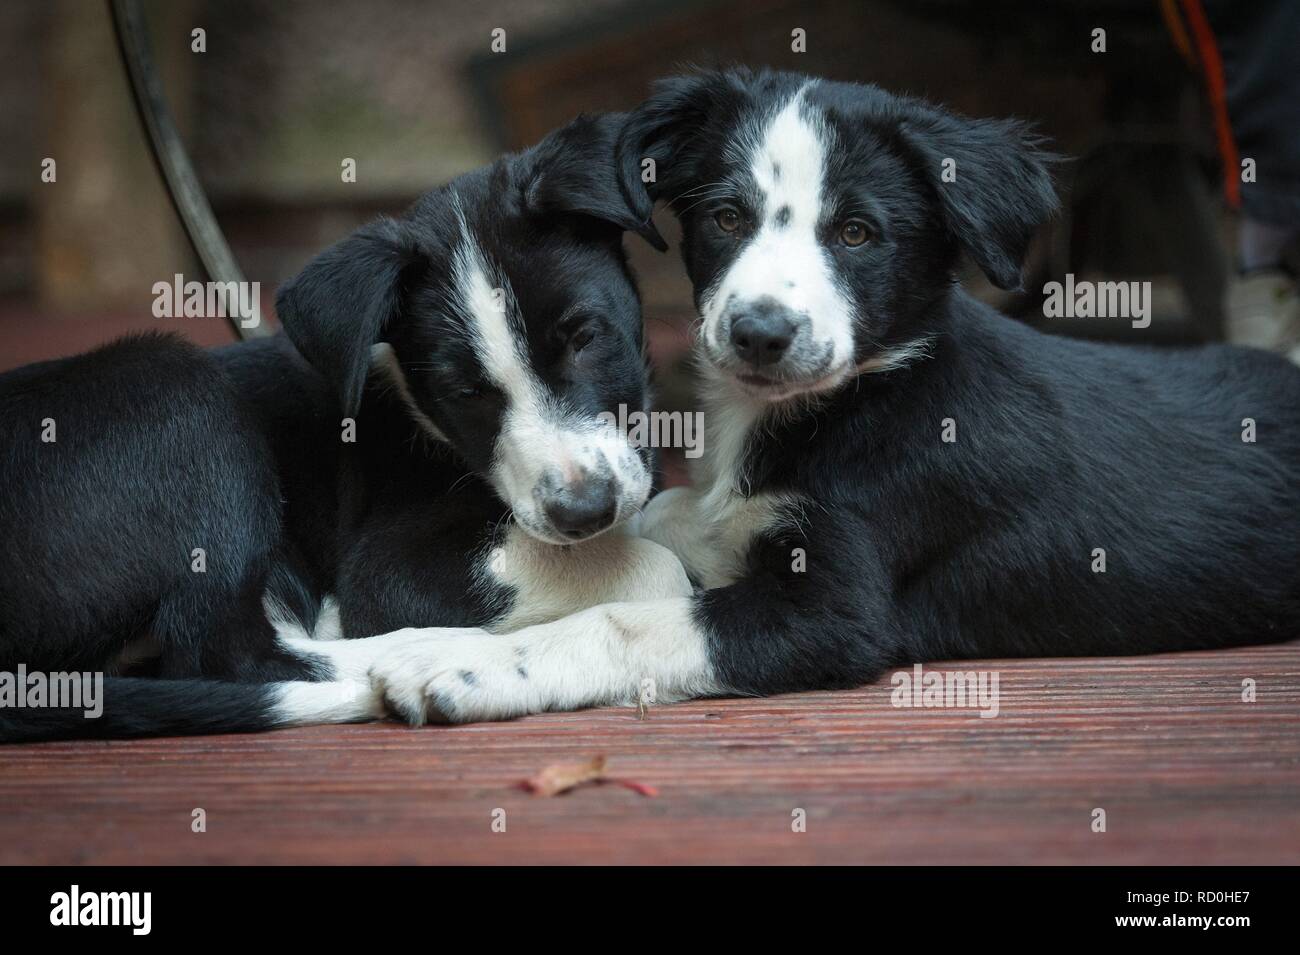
pixel 126 707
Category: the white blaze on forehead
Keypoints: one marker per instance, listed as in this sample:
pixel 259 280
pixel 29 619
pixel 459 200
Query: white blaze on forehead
pixel 537 438
pixel 492 316
pixel 784 259
pixel 788 166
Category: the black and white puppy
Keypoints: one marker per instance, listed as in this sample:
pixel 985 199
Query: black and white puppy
pixel 487 330
pixel 429 453
pixel 893 472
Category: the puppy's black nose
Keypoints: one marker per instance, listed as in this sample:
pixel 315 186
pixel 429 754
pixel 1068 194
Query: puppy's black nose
pixel 582 509
pixel 762 334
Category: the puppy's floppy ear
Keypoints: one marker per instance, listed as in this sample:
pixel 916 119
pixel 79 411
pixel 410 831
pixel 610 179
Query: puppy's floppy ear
pixel 1002 190
pixel 663 129
pixel 341 303
pixel 572 171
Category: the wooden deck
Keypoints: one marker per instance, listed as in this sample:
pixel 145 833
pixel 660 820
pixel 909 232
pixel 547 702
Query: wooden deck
pixel 1186 771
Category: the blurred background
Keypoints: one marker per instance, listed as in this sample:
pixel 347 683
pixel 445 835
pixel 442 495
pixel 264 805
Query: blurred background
pixel 413 92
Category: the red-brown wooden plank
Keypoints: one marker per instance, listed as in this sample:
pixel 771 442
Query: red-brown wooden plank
pixel 1186 771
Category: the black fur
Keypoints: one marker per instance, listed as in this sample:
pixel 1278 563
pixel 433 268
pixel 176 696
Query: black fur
pixel 155 456
pixel 162 448
pixel 136 707
pixel 918 549
pixel 400 492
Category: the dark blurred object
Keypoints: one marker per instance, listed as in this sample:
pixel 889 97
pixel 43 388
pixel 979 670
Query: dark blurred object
pixel 412 92
pixel 174 166
pixel 1137 203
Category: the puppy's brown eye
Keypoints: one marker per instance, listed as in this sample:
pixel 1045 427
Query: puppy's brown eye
pixel 582 339
pixel 468 393
pixel 727 218
pixel 854 232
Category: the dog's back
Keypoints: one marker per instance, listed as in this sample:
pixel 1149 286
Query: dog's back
pixel 1124 499
pixel 137 500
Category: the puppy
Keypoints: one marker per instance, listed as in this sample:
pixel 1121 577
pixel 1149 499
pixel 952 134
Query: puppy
pixel 893 472
pixel 424 446
pixel 487 329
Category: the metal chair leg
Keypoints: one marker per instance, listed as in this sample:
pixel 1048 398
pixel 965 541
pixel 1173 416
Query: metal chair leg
pixel 183 187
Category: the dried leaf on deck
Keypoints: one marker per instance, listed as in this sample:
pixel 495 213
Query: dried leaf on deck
pixel 562 777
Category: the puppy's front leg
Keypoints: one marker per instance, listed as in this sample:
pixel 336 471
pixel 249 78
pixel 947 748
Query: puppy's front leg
pixel 546 582
pixel 673 520
pixel 609 654
pixel 781 627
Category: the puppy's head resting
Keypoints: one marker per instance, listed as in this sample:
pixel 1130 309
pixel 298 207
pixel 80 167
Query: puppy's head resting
pixel 818 223
pixel 502 307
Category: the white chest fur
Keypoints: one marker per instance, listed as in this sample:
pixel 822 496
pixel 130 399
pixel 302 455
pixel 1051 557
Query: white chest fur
pixel 711 525
pixel 551 582
pixel 711 533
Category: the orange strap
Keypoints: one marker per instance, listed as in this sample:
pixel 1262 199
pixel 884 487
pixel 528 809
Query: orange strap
pixel 1212 64
pixel 1174 24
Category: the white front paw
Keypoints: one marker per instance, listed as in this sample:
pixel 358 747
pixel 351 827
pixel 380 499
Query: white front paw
pixel 672 519
pixel 664 513
pixel 453 676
